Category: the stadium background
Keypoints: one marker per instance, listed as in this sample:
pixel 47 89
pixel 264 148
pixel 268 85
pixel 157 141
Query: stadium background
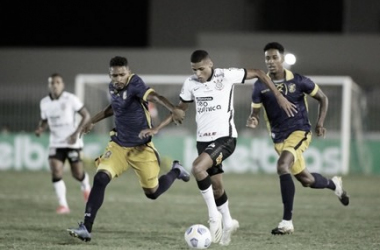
pixel 339 38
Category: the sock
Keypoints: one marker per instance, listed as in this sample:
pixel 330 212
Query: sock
pixel 287 193
pixel 208 196
pixel 222 204
pixel 95 200
pixel 85 182
pixel 321 182
pixel 164 183
pixel 60 191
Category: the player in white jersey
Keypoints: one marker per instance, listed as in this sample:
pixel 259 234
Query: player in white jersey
pixel 212 90
pixel 58 112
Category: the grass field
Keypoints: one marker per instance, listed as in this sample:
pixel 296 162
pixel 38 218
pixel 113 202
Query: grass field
pixel 127 220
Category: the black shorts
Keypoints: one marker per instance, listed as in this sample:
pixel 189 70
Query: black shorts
pixel 71 154
pixel 219 150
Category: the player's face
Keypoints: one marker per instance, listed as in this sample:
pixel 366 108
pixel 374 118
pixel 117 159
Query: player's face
pixel 202 69
pixel 56 85
pixel 274 60
pixel 119 76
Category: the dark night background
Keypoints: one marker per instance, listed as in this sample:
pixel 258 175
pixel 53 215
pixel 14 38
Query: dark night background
pixel 126 23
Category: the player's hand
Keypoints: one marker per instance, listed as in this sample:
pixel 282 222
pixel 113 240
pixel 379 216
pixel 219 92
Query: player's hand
pixel 252 122
pixel 72 138
pixel 147 132
pixel 178 116
pixel 287 106
pixel 87 128
pixel 320 131
pixel 38 131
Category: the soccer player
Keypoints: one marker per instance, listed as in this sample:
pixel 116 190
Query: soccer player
pixel 291 135
pixel 58 111
pixel 129 105
pixel 212 90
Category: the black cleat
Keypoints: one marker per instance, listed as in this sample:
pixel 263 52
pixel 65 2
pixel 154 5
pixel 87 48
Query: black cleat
pixel 80 232
pixel 183 174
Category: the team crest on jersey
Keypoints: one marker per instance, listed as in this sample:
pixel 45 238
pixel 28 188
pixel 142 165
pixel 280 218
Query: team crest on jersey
pixel 219 159
pixel 125 95
pixel 292 88
pixel 107 155
pixel 219 84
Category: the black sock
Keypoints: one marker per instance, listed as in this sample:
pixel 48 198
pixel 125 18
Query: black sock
pixel 287 193
pixel 321 182
pixel 164 183
pixel 95 200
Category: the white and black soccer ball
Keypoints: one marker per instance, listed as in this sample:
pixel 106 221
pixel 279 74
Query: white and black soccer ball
pixel 198 236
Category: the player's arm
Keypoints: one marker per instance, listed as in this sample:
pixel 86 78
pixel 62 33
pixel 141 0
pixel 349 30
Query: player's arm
pixel 41 127
pixel 177 114
pixel 287 106
pixel 322 111
pixel 253 118
pixel 106 112
pixel 83 112
pixel 169 119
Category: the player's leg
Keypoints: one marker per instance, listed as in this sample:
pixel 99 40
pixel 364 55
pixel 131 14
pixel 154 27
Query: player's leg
pixel 147 167
pixel 287 187
pixel 229 225
pixel 77 171
pixel 56 163
pixel 110 165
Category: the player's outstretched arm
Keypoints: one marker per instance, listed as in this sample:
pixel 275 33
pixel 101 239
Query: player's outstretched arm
pixel 287 106
pixel 87 127
pixel 169 119
pixel 42 125
pixel 177 114
pixel 83 112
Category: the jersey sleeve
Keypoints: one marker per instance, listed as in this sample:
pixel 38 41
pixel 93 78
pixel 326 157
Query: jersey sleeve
pixel 308 86
pixel 140 89
pixel 235 75
pixel 76 103
pixel 186 95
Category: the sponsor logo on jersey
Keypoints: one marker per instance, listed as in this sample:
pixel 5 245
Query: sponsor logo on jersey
pixel 208 134
pixel 292 88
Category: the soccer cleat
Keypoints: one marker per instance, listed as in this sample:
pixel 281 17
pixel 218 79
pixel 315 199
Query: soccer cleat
pixel 80 232
pixel 183 174
pixel 62 210
pixel 227 232
pixel 216 228
pixel 342 194
pixel 86 194
pixel 284 227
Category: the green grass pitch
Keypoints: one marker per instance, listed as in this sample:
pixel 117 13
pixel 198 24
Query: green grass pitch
pixel 128 220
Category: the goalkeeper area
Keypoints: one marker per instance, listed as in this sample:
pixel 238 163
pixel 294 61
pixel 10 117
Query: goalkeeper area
pixel 128 220
pixel 341 152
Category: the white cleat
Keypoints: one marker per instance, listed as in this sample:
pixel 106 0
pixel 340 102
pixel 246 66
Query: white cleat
pixel 216 229
pixel 227 232
pixel 284 227
pixel 339 191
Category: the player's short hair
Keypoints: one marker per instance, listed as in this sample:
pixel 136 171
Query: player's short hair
pixel 55 75
pixel 198 56
pixel 274 45
pixel 118 61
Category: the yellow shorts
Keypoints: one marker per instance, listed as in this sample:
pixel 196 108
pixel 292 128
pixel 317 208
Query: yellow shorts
pixel 296 143
pixel 144 160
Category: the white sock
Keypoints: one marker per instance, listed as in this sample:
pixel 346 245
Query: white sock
pixel 227 219
pixel 60 191
pixel 85 184
pixel 208 196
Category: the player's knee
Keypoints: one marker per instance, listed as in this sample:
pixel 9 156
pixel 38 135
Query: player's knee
pixel 101 179
pixel 282 167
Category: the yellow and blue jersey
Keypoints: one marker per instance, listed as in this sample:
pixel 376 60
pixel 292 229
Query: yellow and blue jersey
pixel 295 88
pixel 130 109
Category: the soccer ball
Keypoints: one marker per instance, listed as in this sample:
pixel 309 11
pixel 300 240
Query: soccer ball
pixel 198 236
